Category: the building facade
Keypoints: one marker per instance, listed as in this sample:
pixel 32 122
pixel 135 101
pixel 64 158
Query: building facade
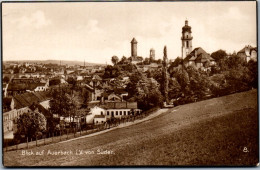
pixel 105 111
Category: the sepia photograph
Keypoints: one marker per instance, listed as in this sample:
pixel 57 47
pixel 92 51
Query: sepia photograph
pixel 129 84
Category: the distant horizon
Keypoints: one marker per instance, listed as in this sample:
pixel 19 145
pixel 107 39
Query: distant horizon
pixel 111 57
pixel 46 60
pixel 96 31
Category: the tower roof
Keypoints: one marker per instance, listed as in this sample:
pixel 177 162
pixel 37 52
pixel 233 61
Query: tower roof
pixel 133 40
pixel 186 27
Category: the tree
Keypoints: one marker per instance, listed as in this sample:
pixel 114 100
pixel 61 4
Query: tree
pixel 73 105
pixel 30 124
pixel 148 94
pixel 199 83
pixel 165 81
pixel 146 61
pixel 6 79
pixel 73 82
pixel 86 97
pixel 174 89
pixel 159 61
pixel 219 55
pixel 253 67
pixel 123 60
pixel 176 62
pixel 16 70
pixel 112 71
pixel 132 85
pixel 59 104
pixel 114 59
pixel 54 82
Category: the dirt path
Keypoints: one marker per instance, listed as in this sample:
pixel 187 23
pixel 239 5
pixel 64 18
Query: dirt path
pixel 153 115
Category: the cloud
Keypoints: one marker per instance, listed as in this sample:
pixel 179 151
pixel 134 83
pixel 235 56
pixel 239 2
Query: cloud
pixel 36 20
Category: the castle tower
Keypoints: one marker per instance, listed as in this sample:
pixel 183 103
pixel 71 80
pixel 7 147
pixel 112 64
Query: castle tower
pixel 134 48
pixel 152 54
pixel 186 39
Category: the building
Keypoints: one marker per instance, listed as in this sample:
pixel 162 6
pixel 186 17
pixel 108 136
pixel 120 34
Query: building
pixel 134 47
pixel 20 104
pixel 152 54
pixel 134 59
pixel 103 112
pixel 186 40
pixel 199 58
pixel 248 53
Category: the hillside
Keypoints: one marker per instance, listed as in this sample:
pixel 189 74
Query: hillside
pixel 213 132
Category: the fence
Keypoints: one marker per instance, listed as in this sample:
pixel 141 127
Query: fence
pixel 67 134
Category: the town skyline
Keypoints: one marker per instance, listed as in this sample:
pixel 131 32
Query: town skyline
pixel 65 31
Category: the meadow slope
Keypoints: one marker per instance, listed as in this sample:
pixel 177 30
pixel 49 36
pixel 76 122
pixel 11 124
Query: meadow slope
pixel 213 132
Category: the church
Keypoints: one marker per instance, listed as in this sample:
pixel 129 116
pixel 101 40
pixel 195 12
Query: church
pixel 196 57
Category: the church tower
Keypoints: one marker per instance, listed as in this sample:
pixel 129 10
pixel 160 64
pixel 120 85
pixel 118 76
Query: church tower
pixel 186 40
pixel 134 48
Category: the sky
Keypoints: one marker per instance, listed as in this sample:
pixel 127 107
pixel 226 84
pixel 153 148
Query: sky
pixel 95 31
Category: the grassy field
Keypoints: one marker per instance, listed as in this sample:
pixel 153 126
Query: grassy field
pixel 208 133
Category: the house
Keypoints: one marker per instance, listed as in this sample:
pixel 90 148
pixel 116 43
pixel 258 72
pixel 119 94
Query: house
pixel 19 86
pixel 94 85
pixel 114 97
pixel 94 111
pixel 199 58
pixel 20 104
pixel 40 86
pixel 248 53
pixel 111 109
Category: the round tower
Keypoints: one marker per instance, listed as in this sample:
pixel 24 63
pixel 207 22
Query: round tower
pixel 186 39
pixel 152 54
pixel 134 48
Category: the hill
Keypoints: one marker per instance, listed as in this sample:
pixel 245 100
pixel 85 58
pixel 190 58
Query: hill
pixel 213 132
pixel 63 62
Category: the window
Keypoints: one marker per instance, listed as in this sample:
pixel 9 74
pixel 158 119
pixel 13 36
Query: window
pixel 101 112
pixel 102 121
pixel 128 112
pixel 120 112
pixel 96 121
pixel 187 43
pixel 124 112
pixel 116 112
pixel 107 112
pixel 187 36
